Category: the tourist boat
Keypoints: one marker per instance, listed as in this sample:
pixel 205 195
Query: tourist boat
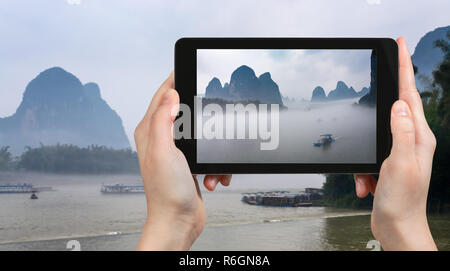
pixel 16 188
pixel 283 198
pixel 122 188
pixel 21 188
pixel 325 139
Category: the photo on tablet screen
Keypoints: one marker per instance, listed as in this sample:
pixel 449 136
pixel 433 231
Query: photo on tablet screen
pixel 286 106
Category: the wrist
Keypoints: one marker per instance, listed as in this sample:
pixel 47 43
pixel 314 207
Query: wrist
pixel 409 234
pixel 166 233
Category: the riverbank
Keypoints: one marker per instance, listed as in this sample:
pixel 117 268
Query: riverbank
pixel 334 233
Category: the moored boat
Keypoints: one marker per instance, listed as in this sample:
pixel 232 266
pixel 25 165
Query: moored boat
pixel 283 198
pixel 122 188
pixel 21 188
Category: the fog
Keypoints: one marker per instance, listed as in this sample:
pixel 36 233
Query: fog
pixel 76 207
pixel 353 127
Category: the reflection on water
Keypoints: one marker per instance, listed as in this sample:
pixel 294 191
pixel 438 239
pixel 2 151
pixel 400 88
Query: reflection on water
pixel 353 232
pixel 353 127
pixel 347 233
pixel 77 210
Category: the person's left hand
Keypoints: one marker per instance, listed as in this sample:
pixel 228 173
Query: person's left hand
pixel 175 211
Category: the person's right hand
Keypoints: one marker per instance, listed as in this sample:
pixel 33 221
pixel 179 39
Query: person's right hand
pixel 399 219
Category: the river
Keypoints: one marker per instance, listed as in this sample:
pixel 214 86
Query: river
pixel 76 210
pixel 291 140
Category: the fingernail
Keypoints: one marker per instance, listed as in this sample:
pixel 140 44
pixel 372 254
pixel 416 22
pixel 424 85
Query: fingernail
pixel 401 109
pixel 212 185
pixel 166 97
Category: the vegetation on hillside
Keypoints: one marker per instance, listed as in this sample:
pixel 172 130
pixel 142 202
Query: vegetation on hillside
pixel 5 158
pixel 437 110
pixel 72 159
pixel 339 190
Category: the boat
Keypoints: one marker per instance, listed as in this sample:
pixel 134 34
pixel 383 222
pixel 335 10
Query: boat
pixel 122 188
pixel 324 140
pixel 22 188
pixel 283 198
pixel 16 188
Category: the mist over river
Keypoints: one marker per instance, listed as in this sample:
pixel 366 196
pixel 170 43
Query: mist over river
pixel 76 210
pixel 352 126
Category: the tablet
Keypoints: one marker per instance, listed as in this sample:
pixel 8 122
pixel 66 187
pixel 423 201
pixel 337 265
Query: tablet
pixel 285 105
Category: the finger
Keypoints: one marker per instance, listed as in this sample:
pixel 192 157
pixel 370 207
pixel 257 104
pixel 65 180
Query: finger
pixel 409 93
pixel 405 69
pixel 362 185
pixel 210 182
pixel 197 187
pixel 373 185
pixel 403 131
pixel 225 179
pixel 166 85
pixel 161 123
pixel 143 127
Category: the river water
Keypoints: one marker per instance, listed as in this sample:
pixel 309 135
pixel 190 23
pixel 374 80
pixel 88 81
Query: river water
pixel 291 140
pixel 76 210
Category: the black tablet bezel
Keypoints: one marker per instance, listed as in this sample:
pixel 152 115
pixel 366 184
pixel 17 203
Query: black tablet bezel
pixel 387 94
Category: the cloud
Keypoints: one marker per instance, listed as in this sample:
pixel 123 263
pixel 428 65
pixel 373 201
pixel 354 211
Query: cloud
pixel 297 72
pixel 127 46
pixel 74 2
pixel 374 2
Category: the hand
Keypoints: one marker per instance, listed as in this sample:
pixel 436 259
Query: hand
pixel 399 219
pixel 175 210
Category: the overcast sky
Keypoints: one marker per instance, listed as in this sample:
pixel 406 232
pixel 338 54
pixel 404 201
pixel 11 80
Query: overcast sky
pixel 127 46
pixel 297 72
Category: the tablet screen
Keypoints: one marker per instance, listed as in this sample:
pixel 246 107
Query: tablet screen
pixel 286 106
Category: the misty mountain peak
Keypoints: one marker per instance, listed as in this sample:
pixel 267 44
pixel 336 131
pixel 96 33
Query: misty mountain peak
pixel 55 72
pixel 215 83
pixel 265 76
pixel 243 73
pixel 58 108
pixel 426 56
pixel 53 85
pixel 244 85
pixel 341 84
pixel 342 91
pixel 318 94
pixel 55 75
pixel 92 91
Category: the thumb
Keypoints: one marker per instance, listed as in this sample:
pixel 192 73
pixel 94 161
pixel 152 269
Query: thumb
pixel 161 122
pixel 403 130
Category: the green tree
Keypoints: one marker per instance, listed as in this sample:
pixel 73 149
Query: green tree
pixel 73 159
pixel 442 80
pixel 437 109
pixel 339 191
pixel 5 158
